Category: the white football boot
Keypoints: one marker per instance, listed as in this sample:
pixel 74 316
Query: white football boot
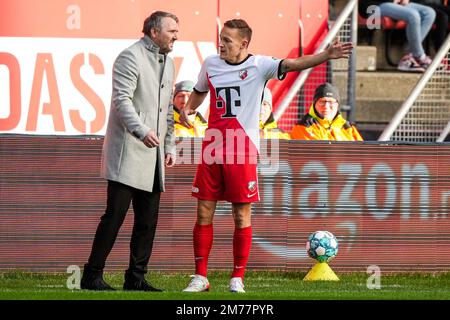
pixel 198 284
pixel 236 285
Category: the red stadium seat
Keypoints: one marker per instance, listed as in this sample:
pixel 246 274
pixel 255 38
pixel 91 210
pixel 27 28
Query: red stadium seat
pixel 389 23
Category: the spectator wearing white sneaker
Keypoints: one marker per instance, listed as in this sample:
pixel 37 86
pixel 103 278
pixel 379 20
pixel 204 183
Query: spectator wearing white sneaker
pixel 419 21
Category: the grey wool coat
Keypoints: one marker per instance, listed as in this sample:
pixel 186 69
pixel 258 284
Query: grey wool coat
pixel 141 101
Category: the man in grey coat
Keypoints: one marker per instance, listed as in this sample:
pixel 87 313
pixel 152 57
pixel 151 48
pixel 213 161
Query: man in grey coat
pixel 139 142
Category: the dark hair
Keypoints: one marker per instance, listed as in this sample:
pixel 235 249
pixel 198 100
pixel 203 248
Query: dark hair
pixel 155 20
pixel 244 29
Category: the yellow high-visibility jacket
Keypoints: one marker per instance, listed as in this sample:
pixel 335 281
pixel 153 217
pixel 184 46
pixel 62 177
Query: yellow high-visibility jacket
pixel 199 126
pixel 270 130
pixel 311 127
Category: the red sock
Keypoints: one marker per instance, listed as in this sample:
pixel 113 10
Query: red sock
pixel 203 239
pixel 242 242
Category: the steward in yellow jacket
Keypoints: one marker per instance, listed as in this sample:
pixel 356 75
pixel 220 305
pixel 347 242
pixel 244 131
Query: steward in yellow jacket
pixel 181 95
pixel 312 127
pixel 270 130
pixel 324 121
pixel 267 124
pixel 199 125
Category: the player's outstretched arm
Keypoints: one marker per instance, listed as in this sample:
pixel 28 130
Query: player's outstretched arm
pixel 335 51
pixel 195 100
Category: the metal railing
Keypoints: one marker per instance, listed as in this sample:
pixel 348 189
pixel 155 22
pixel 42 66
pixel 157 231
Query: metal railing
pixel 425 114
pixel 345 27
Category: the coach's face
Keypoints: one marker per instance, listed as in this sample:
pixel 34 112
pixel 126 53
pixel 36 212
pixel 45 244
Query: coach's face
pixel 166 35
pixel 232 46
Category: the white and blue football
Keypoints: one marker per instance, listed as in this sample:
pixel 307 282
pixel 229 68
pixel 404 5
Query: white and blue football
pixel 322 246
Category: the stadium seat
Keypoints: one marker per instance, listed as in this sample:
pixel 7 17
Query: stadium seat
pixel 388 25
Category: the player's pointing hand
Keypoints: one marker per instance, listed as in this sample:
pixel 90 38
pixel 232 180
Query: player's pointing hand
pixel 339 49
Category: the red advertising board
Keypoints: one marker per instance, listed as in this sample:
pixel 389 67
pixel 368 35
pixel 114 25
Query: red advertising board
pixel 386 204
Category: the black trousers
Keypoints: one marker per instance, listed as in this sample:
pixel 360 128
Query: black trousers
pixel 146 208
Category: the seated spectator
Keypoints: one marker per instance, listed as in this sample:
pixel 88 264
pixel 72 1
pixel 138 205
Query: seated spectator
pixel 419 20
pixel 267 124
pixel 181 95
pixel 324 121
pixel 442 8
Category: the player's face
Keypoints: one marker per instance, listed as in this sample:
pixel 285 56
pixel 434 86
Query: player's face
pixel 231 45
pixel 165 37
pixel 327 108
pixel 181 99
pixel 265 111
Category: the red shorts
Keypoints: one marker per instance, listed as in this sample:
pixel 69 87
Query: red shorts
pixel 231 182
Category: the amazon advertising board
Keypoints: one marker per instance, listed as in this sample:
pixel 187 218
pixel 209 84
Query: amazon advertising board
pixel 386 204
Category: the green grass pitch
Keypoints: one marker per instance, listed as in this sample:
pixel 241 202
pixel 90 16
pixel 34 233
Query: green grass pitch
pixel 16 285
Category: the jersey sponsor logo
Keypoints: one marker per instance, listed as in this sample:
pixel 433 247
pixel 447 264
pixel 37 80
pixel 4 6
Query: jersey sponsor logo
pixel 243 74
pixel 228 102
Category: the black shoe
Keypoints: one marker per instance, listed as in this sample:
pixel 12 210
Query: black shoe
pixel 93 280
pixel 139 285
pixel 97 284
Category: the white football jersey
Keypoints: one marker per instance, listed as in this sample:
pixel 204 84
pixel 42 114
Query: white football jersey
pixel 236 92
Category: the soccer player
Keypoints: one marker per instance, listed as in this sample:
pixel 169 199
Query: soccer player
pixel 235 80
